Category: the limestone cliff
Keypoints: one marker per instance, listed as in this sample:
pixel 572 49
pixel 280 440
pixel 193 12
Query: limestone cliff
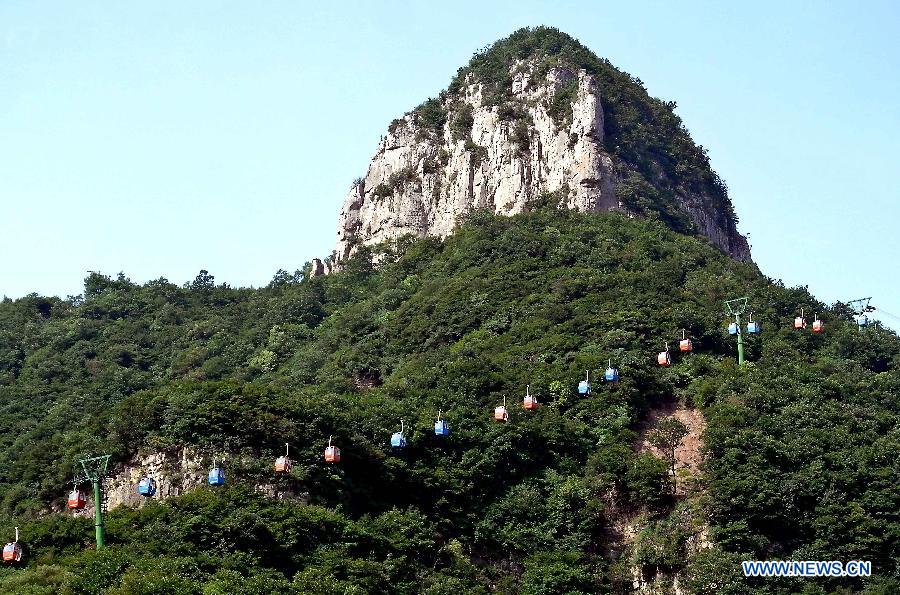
pixel 530 116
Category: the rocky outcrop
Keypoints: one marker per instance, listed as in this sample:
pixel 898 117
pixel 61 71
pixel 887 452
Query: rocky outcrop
pixel 547 136
pixel 176 471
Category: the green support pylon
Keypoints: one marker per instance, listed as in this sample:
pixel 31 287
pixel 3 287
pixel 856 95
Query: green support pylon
pixel 95 471
pixel 737 307
pixel 99 529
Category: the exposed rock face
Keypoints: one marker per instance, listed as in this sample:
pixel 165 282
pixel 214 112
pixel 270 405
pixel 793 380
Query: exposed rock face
pixel 176 472
pixel 319 268
pixel 423 179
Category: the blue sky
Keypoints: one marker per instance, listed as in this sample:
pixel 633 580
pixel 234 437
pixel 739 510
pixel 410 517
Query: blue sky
pixel 159 140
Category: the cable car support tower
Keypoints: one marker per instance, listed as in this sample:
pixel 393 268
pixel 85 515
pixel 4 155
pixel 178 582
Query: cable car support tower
pixel 95 471
pixel 735 308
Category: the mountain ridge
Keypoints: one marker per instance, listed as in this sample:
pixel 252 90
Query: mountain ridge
pixel 536 113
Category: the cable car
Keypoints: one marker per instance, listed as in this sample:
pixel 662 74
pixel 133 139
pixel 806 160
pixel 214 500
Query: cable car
pixel 398 440
pixel 332 453
pixel 283 463
pixel 76 500
pixel 753 328
pixel 440 426
pixel 733 328
pixel 861 320
pixel 500 412
pixel 818 326
pixel 800 322
pixel 584 387
pixel 663 358
pixel 216 476
pixel 147 487
pixel 530 401
pixel 611 374
pixel 685 345
pixel 12 552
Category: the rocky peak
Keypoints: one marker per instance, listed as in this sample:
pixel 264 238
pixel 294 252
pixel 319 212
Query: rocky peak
pixel 527 117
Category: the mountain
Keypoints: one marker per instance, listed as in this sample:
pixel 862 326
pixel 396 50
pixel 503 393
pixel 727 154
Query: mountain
pixel 661 481
pixel 534 113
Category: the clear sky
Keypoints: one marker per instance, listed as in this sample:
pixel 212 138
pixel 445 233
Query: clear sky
pixel 168 137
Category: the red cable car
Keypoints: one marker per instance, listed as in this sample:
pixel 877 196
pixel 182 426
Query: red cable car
pixel 685 345
pixel 818 325
pixel 12 552
pixel 283 463
pixel 800 322
pixel 332 453
pixel 500 412
pixel 76 500
pixel 530 402
pixel 663 358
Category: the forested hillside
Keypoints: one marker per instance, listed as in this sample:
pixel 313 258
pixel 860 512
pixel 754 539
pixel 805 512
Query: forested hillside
pixel 802 441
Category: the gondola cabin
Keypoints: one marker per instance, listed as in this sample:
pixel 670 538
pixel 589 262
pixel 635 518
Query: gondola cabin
pixel 584 387
pixel 282 465
pixel 530 402
pixel 12 552
pixel 862 320
pixel 332 454
pixel 663 358
pixel 147 487
pixel 441 428
pixel 76 500
pixel 818 326
pixel 216 476
pixel 753 328
pixel 398 440
pixel 733 328
pixel 611 374
pixel 685 346
pixel 500 413
pixel 799 323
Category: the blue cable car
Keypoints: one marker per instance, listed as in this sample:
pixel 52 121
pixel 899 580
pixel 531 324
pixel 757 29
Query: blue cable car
pixel 753 327
pixel 440 426
pixel 611 374
pixel 733 328
pixel 216 476
pixel 584 387
pixel 147 487
pixel 862 320
pixel 398 440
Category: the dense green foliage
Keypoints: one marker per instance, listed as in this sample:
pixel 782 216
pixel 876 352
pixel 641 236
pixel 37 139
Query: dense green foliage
pixel 803 440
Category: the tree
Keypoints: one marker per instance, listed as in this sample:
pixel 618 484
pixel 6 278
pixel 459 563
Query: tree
pixel 203 281
pixel 667 437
